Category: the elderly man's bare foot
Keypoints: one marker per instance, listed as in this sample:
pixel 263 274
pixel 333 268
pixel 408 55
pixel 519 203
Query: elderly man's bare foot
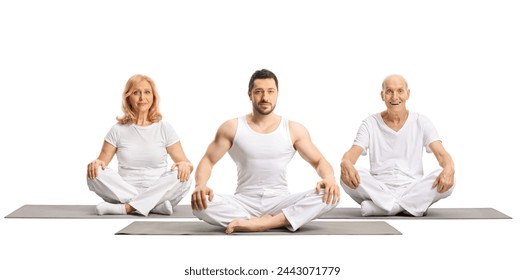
pixel 254 224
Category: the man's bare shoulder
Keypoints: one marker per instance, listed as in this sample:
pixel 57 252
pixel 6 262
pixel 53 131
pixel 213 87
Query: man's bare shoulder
pixel 296 125
pixel 297 130
pixel 229 123
pixel 228 128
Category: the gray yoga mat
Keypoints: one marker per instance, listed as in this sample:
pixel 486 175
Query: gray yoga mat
pixel 432 213
pixel 312 228
pixel 184 211
pixel 86 212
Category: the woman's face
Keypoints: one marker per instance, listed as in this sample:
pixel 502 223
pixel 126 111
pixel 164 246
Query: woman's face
pixel 141 97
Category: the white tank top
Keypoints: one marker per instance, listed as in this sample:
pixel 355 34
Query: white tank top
pixel 261 158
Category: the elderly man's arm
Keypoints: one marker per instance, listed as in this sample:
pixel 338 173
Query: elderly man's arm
pixel 349 174
pixel 445 180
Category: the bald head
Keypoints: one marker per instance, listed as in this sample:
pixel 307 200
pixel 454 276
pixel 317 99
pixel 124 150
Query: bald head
pixel 395 92
pixel 394 78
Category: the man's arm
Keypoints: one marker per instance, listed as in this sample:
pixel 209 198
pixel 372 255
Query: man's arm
pixel 216 150
pixel 445 180
pixel 309 152
pixel 349 174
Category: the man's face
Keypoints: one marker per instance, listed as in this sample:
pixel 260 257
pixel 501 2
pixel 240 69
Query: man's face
pixel 395 93
pixel 264 96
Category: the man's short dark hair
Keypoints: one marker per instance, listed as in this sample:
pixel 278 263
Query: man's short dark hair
pixel 262 74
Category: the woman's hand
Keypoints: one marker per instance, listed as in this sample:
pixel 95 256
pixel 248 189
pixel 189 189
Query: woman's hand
pixel 184 170
pixel 92 168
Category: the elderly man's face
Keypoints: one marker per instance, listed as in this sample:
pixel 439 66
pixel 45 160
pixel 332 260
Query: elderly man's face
pixel 395 93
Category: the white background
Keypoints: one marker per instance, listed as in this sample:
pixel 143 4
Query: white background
pixel 64 64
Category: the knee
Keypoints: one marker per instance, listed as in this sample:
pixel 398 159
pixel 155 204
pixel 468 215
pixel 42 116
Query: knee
pixel 95 182
pixel 331 205
pixel 320 197
pixel 199 213
pixel 345 187
pixel 350 191
pixel 102 173
pixel 211 206
pixel 447 193
pixel 184 185
pixel 173 175
pixel 205 214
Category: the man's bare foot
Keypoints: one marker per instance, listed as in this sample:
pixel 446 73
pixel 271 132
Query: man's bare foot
pixel 254 224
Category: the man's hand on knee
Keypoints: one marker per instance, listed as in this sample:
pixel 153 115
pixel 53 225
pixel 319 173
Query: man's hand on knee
pixel 331 191
pixel 200 198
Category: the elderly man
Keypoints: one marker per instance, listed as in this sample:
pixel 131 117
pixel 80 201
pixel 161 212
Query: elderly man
pixel 395 139
pixel 262 144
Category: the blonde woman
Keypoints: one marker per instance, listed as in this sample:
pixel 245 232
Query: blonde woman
pixel 142 142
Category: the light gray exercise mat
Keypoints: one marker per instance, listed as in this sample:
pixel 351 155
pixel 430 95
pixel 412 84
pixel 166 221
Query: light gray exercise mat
pixel 86 212
pixel 184 211
pixel 433 213
pixel 312 228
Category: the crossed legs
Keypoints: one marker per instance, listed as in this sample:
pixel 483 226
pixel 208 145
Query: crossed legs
pixel 122 198
pixel 378 199
pixel 255 213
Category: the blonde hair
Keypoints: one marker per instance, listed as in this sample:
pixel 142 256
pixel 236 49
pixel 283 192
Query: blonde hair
pixel 129 116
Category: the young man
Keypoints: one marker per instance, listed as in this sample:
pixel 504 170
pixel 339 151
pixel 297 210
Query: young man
pixel 395 139
pixel 262 144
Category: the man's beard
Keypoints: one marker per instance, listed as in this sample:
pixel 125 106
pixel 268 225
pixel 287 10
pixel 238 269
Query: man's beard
pixel 264 112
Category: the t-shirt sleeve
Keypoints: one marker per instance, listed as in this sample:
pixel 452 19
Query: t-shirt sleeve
pixel 170 134
pixel 430 133
pixel 113 136
pixel 362 139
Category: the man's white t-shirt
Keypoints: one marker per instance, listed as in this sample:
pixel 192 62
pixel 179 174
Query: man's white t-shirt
pixel 396 158
pixel 141 150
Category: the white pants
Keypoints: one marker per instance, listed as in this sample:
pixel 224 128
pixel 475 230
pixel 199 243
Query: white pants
pixel 110 186
pixel 299 208
pixel 415 198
